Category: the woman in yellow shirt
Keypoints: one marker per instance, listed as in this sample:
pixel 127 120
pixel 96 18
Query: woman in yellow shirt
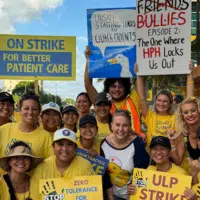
pixel 88 132
pixel 160 149
pixel 27 130
pixel 16 183
pixel 51 117
pixel 102 106
pixel 162 118
pixel 64 163
pixel 6 107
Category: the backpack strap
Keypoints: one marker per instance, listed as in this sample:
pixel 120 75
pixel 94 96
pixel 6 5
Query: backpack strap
pixel 10 187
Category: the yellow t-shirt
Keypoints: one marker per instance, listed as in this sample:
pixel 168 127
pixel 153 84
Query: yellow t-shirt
pixel 158 125
pixel 173 170
pixel 39 140
pixel 5 195
pixel 95 146
pixel 103 130
pixel 134 97
pixel 46 170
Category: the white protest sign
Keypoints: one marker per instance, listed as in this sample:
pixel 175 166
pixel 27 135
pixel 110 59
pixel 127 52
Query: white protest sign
pixel 163 36
pixel 113 28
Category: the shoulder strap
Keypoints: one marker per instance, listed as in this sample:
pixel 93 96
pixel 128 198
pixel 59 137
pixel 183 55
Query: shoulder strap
pixel 9 184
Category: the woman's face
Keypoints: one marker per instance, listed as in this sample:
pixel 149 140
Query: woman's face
pixel 70 118
pixel 190 113
pixel 117 91
pixel 6 109
pixel 64 150
pixel 88 131
pixel 30 111
pixel 121 127
pixel 50 120
pixel 82 104
pixel 160 154
pixel 20 164
pixel 162 104
pixel 102 109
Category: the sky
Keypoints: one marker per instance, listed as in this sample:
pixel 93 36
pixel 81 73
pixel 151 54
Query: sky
pixel 55 18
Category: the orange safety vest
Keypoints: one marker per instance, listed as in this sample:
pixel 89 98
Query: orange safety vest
pixel 130 106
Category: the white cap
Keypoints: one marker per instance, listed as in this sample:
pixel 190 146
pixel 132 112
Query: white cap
pixel 64 133
pixel 51 106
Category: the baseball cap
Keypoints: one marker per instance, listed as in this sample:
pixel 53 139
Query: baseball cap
pixel 64 133
pixel 51 106
pixel 161 140
pixel 102 97
pixel 69 108
pixel 6 96
pixel 87 119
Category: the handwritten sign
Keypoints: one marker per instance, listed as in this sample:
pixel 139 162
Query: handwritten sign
pixel 75 188
pixel 99 163
pixel 37 57
pixel 112 39
pixel 163 36
pixel 153 185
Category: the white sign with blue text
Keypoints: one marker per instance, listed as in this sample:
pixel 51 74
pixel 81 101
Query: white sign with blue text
pixel 112 40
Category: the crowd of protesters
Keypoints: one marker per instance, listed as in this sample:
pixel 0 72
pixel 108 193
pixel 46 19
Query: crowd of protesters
pixel 43 144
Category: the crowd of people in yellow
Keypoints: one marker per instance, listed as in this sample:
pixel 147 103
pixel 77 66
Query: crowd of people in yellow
pixel 43 143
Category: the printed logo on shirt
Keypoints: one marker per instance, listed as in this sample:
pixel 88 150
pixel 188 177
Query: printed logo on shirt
pixel 119 177
pixel 13 140
pixel 49 192
pixel 162 126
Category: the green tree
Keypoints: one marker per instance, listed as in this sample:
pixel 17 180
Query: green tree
pixel 68 101
pixel 28 86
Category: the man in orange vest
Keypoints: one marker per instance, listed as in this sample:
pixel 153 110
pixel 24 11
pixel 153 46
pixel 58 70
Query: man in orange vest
pixel 122 96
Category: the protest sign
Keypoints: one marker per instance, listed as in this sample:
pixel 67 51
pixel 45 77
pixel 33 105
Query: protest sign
pixel 37 57
pixel 75 188
pixel 163 36
pixel 153 185
pixel 112 38
pixel 99 163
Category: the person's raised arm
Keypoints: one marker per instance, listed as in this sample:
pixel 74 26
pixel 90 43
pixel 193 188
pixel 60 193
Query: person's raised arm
pixel 87 80
pixel 190 81
pixel 140 84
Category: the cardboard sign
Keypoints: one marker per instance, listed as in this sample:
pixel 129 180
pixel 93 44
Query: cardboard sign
pixel 163 36
pixel 112 39
pixel 76 188
pixel 153 185
pixel 37 57
pixel 99 163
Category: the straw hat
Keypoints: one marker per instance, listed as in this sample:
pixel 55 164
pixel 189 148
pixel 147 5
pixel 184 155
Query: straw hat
pixel 20 151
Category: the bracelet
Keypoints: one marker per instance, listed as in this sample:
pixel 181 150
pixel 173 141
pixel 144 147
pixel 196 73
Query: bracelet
pixel 190 82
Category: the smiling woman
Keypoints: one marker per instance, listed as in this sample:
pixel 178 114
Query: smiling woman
pixel 124 152
pixel 16 183
pixel 27 130
pixel 6 107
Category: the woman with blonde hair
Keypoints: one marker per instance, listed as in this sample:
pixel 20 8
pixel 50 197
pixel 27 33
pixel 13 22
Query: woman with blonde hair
pixel 162 118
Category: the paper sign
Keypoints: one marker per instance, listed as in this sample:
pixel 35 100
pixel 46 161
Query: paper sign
pixel 163 36
pixel 99 163
pixel 153 185
pixel 75 188
pixel 37 57
pixel 112 39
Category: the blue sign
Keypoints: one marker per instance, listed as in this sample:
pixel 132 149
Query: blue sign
pixel 112 40
pixel 99 163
